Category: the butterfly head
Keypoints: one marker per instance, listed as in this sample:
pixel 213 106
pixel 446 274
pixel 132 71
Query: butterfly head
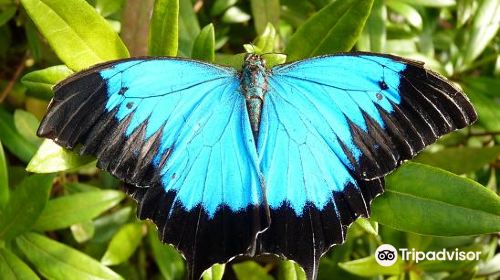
pixel 254 61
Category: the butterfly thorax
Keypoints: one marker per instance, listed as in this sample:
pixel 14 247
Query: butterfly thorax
pixel 254 81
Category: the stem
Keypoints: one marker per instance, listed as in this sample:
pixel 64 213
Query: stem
pixel 12 81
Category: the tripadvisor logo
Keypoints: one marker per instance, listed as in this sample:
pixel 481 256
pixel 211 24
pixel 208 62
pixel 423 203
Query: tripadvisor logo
pixel 387 255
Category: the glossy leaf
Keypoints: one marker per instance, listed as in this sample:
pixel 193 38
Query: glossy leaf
pixel 479 90
pixel 265 42
pixel 373 37
pixel 220 6
pixel 490 267
pixel 410 14
pixel 235 61
pixel 204 45
pixel 250 270
pixel 25 205
pixel 65 211
pixel 216 272
pixel 164 28
pixel 465 10
pixel 55 260
pixel 12 140
pixel 83 232
pixel 7 14
pixel 289 270
pixel 432 3
pixel 368 267
pixel 27 124
pixel 235 15
pixel 460 160
pixel 189 28
pixel 51 157
pixel 439 202
pixel 484 28
pixel 320 33
pixel 65 25
pixel 108 7
pixel 169 262
pixel 106 226
pixel 4 179
pixel 265 12
pixel 12 267
pixel 123 244
pixel 40 82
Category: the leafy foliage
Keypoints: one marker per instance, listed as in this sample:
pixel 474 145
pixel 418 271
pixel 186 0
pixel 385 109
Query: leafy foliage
pixel 74 223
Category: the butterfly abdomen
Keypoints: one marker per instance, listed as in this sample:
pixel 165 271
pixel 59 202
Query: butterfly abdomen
pixel 254 86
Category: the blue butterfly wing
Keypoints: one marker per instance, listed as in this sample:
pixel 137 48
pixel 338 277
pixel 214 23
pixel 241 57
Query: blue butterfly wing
pixel 331 128
pixel 177 132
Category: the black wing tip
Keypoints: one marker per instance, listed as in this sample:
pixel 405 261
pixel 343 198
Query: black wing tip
pixel 420 76
pixel 77 102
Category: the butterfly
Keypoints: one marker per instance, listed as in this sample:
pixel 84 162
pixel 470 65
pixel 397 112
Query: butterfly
pixel 259 161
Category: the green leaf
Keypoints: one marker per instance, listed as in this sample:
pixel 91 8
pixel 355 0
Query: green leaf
pixel 484 27
pixel 40 83
pixel 216 272
pixel 108 7
pixel 266 42
pixel 204 45
pixel 25 205
pixel 426 200
pixel 83 232
pixel 27 124
pixel 250 270
pixel 368 267
pixel 431 3
pixel 288 270
pixel 80 187
pixel 12 267
pixel 169 262
pixel 71 209
pixel 265 12
pixel 51 157
pixel 373 37
pixel 321 33
pixel 479 91
pixel 367 226
pixel 14 142
pixel 465 9
pixel 106 226
pixel 4 179
pixel 410 14
pixel 189 28
pixel 460 160
pixel 220 6
pixel 235 61
pixel 123 244
pixel 490 267
pixel 65 24
pixel 7 14
pixel 164 28
pixel 235 15
pixel 55 260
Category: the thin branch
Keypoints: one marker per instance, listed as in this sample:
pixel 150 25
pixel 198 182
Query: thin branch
pixel 15 77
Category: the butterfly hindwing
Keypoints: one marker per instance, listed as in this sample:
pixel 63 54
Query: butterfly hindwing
pixel 331 128
pixel 178 131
